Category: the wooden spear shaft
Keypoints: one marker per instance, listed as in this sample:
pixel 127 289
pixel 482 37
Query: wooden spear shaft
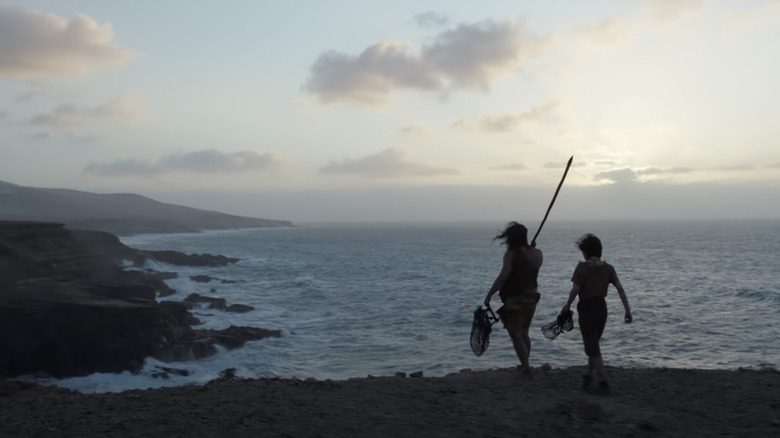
pixel 533 242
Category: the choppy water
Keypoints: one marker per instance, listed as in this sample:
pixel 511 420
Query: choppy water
pixel 354 300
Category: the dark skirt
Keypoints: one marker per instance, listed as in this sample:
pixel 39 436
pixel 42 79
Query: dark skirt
pixel 592 319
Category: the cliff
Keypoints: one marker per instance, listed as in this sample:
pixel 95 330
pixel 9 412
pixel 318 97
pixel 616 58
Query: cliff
pixel 69 308
pixel 121 213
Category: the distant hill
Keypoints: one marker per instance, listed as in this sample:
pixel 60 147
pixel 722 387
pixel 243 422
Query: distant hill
pixel 121 213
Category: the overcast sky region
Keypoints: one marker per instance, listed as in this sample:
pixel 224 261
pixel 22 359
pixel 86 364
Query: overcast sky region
pixel 347 110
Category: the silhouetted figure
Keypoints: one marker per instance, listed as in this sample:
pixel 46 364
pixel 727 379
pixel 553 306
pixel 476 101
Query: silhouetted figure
pixel 516 284
pixel 590 282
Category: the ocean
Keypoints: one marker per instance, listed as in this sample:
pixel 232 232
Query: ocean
pixel 354 300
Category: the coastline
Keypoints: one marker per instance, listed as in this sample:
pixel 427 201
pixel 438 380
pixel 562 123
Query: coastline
pixel 495 403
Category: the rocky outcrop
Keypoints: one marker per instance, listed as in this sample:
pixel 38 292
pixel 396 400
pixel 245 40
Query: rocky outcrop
pixel 217 303
pixel 68 308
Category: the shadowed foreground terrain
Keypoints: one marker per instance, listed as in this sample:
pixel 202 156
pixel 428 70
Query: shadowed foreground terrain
pixel 497 403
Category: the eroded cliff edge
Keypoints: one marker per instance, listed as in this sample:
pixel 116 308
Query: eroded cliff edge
pixel 69 307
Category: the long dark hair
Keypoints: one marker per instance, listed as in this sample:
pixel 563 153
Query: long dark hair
pixel 590 245
pixel 515 235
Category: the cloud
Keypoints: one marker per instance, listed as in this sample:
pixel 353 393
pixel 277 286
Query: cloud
pixel 668 11
pixel 513 166
pixel 655 15
pixel 214 161
pixel 562 164
pixel 203 161
pixel 508 122
pixel 40 136
pixel 469 56
pixel 736 167
pixel 413 131
pixel 3 114
pixel 84 139
pixel 617 176
pixel 665 171
pixel 430 18
pixel 613 30
pixel 28 96
pixel 774 165
pixel 128 109
pixel 37 45
pixel 390 163
pixel 751 18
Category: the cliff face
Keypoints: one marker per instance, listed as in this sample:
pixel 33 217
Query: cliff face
pixel 68 308
pixel 121 213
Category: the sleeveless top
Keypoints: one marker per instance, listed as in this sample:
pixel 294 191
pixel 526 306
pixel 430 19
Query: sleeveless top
pixel 521 283
pixel 593 279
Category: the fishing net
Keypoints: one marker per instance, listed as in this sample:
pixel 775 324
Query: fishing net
pixel 563 323
pixel 481 328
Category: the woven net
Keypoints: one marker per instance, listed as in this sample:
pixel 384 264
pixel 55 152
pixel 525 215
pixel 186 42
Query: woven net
pixel 480 330
pixel 563 323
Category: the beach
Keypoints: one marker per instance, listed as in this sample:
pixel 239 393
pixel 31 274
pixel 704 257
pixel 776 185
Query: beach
pixel 492 403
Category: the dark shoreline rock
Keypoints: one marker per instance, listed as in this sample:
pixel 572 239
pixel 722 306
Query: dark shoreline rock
pixel 68 308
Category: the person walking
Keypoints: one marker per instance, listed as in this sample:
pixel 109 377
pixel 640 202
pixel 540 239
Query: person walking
pixel 517 286
pixel 590 282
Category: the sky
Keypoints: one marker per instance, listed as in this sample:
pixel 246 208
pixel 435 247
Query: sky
pixel 328 111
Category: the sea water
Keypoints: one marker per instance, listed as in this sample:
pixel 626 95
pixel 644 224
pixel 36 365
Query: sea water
pixel 354 300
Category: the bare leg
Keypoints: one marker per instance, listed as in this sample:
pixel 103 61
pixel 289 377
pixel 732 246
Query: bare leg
pixel 591 366
pixel 527 340
pixel 523 350
pixel 602 376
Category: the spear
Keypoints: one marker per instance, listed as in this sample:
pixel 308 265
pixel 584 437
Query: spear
pixel 533 242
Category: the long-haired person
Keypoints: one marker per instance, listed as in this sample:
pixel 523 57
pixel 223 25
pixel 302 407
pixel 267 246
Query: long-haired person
pixel 590 282
pixel 517 287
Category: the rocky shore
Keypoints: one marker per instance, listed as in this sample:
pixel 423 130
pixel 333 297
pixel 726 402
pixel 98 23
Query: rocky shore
pixel 70 306
pixel 496 403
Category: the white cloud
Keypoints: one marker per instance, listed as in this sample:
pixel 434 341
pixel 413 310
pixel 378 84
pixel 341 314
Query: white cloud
pixel 513 166
pixel 669 11
pixel 203 161
pixel 28 96
pixel 617 176
pixel 38 45
pixel 654 16
pixel 390 163
pixel 128 109
pixel 509 122
pixel 736 167
pixel 665 171
pixel 750 18
pixel 613 30
pixel 562 164
pixel 413 131
pixel 431 18
pixel 469 56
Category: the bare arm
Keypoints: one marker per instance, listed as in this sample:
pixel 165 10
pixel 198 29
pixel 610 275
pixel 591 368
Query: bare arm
pixel 575 289
pixel 501 279
pixel 623 298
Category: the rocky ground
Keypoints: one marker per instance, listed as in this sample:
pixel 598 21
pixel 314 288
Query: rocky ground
pixel 497 403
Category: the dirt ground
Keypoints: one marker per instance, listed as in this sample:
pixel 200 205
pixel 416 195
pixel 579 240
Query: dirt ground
pixel 495 403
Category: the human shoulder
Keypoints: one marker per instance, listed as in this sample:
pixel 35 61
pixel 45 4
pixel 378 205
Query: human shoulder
pixel 533 255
